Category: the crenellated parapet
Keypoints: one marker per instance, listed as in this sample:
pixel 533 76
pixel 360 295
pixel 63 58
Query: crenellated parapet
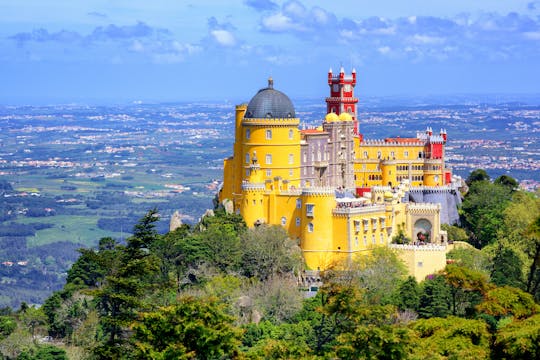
pixel 423 208
pixel 248 186
pixel 410 247
pixel 364 209
pixel 319 191
pixel 270 122
pixel 433 189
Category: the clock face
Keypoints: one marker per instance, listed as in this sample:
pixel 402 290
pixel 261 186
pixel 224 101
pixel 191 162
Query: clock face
pixel 335 88
pixel 347 88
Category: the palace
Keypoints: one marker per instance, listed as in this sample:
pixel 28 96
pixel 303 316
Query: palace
pixel 337 193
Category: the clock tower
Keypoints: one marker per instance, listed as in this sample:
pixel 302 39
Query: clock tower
pixel 341 99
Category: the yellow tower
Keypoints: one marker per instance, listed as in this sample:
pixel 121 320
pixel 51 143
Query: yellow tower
pixel 270 136
pixel 316 240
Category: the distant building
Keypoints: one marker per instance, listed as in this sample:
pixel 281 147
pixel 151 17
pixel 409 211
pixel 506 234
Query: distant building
pixel 338 193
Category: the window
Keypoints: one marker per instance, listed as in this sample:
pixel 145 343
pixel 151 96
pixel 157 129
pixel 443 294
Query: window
pixel 305 156
pixel 379 154
pixel 284 221
pixel 357 225
pixel 291 134
pixel 392 154
pixel 365 240
pixel 356 241
pixel 297 221
pixel 291 173
pixel 248 133
pixel 382 238
pixel 373 239
pixel 298 203
pixel 268 158
pixel 268 172
pixel 406 154
pixel 365 155
pixel 247 158
pixel 291 159
pixel 268 134
pixel 309 209
pixel 248 172
pixel 374 224
pixel 310 227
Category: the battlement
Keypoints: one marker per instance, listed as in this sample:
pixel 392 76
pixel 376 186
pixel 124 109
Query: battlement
pixel 271 121
pixel 247 186
pixel 320 190
pixel 423 208
pixel 385 142
pixel 433 189
pixel 426 247
pixel 361 209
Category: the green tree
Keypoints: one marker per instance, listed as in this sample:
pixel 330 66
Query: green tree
pixel 507 268
pixel 450 338
pixel 130 277
pixel 508 301
pixel 44 352
pixel 408 295
pixel 507 181
pixel 192 329
pixel 384 342
pixel 472 258
pixel 477 175
pixel 466 288
pixel 7 326
pixel 435 299
pixel 518 340
pixel 380 274
pixel 268 251
pixel 482 211
pixel 455 233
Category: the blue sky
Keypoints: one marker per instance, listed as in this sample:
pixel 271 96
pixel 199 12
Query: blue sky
pixel 166 50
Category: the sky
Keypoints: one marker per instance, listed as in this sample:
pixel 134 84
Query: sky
pixel 119 51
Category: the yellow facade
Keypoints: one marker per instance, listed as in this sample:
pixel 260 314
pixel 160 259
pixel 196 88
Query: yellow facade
pixel 299 180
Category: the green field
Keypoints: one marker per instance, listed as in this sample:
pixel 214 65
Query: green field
pixel 76 229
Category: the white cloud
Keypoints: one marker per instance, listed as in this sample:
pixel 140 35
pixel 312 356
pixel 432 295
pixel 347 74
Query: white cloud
pixel 223 37
pixel 278 22
pixel 426 39
pixel 384 50
pixel 532 35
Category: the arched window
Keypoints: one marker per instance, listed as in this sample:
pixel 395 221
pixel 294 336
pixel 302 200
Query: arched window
pixel 268 158
pixel 310 227
pixel 291 134
pixel 247 158
pixel 248 133
pixel 283 221
pixel 291 159
pixel 268 134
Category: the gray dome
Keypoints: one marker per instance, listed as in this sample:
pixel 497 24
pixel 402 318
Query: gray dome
pixel 270 103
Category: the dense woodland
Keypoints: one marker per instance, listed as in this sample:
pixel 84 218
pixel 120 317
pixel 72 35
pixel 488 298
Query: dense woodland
pixel 218 290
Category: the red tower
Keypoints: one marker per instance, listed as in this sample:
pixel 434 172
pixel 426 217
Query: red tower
pixel 342 95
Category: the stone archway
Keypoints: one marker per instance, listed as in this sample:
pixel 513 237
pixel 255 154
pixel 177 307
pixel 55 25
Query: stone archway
pixel 422 230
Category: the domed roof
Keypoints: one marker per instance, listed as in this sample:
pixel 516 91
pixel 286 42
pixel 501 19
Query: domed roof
pixel 345 116
pixel 331 117
pixel 270 103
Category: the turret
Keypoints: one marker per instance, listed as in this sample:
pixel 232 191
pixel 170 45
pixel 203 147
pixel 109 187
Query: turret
pixel 443 135
pixel 330 75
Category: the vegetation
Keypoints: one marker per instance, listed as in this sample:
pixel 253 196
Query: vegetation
pixel 217 290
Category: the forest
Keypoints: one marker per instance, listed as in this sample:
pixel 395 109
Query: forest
pixel 220 290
